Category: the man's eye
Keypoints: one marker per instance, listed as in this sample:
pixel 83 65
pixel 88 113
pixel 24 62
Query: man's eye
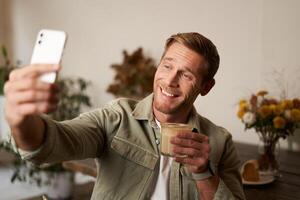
pixel 167 66
pixel 187 76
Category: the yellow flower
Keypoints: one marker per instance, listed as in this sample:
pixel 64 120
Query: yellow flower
pixel 264 111
pixel 287 104
pixel 262 93
pixel 279 122
pixel 241 113
pixel 295 115
pixel 272 107
pixel 278 110
pixel 243 107
pixel 243 101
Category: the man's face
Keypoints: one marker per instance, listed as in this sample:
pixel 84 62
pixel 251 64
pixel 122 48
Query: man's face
pixel 178 80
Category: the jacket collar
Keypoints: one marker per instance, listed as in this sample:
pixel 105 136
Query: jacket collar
pixel 194 119
pixel 143 109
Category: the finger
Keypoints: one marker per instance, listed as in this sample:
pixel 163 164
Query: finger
pixel 29 84
pixel 34 96
pixel 34 70
pixel 194 136
pixel 178 150
pixel 187 143
pixel 36 108
pixel 193 162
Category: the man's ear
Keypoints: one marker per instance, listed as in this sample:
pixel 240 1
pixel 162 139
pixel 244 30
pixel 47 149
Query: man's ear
pixel 206 86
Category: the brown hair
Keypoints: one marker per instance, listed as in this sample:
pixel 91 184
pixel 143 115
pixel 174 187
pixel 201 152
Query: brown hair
pixel 200 45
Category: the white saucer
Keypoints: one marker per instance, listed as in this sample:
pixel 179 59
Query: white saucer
pixel 263 178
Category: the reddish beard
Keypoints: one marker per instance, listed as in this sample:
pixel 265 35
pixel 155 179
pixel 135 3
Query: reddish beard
pixel 179 104
pixel 171 106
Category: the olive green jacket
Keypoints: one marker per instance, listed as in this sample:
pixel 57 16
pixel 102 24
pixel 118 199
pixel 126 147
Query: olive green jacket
pixel 123 137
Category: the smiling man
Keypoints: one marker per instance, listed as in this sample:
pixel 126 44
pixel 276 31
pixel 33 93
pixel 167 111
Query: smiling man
pixel 124 135
pixel 179 79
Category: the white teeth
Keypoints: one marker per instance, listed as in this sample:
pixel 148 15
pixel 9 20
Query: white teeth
pixel 166 93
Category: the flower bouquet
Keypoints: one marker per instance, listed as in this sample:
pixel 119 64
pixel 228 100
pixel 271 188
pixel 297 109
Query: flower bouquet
pixel 272 119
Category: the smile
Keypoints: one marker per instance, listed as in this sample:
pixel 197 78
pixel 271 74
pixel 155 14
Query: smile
pixel 167 93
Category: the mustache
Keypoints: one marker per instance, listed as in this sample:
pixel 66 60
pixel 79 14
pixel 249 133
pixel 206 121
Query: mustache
pixel 170 90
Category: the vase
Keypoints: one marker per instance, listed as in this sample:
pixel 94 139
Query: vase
pixel 61 186
pixel 4 128
pixel 268 150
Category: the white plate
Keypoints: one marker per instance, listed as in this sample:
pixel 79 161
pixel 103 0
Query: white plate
pixel 263 178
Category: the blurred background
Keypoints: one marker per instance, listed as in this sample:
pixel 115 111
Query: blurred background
pixel 258 42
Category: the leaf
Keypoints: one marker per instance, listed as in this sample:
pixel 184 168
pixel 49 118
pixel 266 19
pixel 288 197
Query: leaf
pixel 14 176
pixel 4 52
pixel 132 77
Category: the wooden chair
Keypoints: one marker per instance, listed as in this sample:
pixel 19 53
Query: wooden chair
pixel 87 167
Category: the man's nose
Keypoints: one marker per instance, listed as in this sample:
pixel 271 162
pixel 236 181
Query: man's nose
pixel 172 79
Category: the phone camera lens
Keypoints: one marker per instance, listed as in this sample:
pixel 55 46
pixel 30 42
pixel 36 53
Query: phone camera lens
pixel 40 42
pixel 42 34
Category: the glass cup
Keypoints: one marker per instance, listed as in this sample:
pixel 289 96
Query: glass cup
pixel 167 131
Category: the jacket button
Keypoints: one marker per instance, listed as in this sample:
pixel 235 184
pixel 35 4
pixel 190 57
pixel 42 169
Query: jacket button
pixel 157 142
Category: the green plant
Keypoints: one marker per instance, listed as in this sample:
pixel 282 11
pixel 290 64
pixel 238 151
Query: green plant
pixel 73 98
pixel 134 76
pixel 5 68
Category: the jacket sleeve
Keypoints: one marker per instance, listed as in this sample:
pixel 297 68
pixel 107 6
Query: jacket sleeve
pixel 228 171
pixel 79 138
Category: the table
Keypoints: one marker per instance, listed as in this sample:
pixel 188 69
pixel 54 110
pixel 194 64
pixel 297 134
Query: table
pixel 80 192
pixel 285 187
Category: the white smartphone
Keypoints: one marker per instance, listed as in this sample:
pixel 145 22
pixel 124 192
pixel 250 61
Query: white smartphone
pixel 48 49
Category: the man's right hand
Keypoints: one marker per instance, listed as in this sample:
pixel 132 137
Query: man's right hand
pixel 26 98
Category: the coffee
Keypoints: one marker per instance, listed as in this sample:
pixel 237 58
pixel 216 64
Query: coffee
pixel 169 130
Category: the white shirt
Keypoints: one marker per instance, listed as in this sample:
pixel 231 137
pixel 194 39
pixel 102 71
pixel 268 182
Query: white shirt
pixel 161 190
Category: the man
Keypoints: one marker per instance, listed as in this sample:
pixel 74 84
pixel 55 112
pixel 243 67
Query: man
pixel 124 135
